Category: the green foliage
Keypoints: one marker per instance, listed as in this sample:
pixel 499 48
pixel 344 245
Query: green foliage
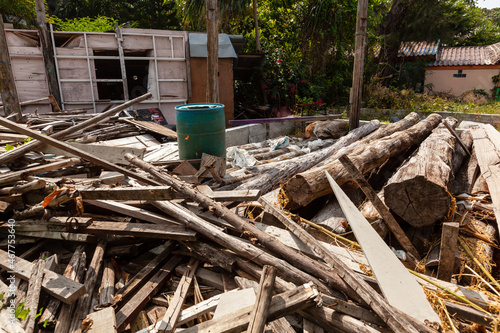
pixel 19 12
pixel 98 24
pixel 21 312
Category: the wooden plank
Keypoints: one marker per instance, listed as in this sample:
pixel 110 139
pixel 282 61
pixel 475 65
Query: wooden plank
pixel 110 153
pixel 66 236
pixel 449 238
pixel 260 310
pixel 153 127
pixel 487 148
pixel 127 312
pixel 205 276
pixel 82 307
pixel 64 146
pixel 107 288
pixel 169 321
pixel 176 232
pixel 18 175
pixel 145 273
pixel 33 294
pixel 8 89
pixel 391 222
pixel 128 193
pixel 281 305
pixel 103 321
pixel 132 211
pixel 54 284
pixel 397 284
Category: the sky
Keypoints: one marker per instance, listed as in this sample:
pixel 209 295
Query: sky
pixel 488 3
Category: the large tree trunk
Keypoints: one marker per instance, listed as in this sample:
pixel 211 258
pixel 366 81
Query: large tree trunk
pixel 312 184
pixel 419 192
pixel 286 169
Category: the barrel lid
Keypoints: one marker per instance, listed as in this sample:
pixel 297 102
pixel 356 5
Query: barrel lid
pixel 199 106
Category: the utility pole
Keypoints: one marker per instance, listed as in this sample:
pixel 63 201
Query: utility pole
pixel 359 63
pixel 7 84
pixel 212 52
pixel 47 51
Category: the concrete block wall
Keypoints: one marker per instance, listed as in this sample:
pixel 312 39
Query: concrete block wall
pixel 240 135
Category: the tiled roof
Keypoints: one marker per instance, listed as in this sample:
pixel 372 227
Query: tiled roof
pixel 418 49
pixel 468 55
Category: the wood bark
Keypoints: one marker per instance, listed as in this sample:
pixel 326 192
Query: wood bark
pixel 359 62
pixel 258 318
pixel 331 129
pixel 307 186
pixel 34 144
pixel 8 89
pixel 212 51
pixel 283 170
pixel 107 289
pixel 83 305
pixel 419 192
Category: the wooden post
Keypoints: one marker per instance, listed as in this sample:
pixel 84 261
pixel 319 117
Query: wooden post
pixel 359 63
pixel 449 237
pixel 259 313
pixel 256 21
pixel 47 51
pixel 212 52
pixel 107 291
pixel 7 84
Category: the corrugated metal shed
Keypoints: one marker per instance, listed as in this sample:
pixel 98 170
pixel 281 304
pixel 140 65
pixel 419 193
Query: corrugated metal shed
pixel 468 55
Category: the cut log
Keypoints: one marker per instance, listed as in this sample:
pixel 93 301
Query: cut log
pixel 309 185
pixel 419 192
pixel 331 129
pixel 280 171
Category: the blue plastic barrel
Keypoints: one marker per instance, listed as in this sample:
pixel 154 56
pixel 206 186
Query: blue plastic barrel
pixel 201 129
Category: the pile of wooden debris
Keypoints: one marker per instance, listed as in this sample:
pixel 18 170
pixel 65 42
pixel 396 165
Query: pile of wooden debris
pixel 105 230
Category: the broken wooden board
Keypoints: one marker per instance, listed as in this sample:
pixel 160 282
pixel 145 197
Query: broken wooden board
pixel 110 153
pixel 399 287
pixel 487 147
pixel 145 230
pixel 132 211
pixel 103 321
pixel 127 193
pixel 153 127
pixel 58 286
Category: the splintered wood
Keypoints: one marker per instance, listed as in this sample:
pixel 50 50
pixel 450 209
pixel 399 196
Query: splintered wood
pixel 104 229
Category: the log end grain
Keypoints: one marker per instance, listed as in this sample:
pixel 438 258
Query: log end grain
pixel 418 201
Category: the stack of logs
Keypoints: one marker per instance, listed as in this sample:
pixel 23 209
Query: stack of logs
pixel 129 245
